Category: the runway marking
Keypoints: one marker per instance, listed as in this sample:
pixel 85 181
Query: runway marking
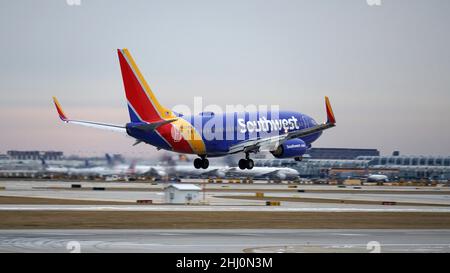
pixel 173 234
pixel 349 234
pixel 208 209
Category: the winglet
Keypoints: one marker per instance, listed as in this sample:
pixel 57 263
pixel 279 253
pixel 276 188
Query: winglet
pixel 61 114
pixel 330 115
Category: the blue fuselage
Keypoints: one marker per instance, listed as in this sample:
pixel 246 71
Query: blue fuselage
pixel 219 132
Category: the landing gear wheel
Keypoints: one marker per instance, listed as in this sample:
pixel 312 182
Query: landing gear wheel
pixel 205 163
pixel 243 164
pixel 250 164
pixel 246 164
pixel 198 163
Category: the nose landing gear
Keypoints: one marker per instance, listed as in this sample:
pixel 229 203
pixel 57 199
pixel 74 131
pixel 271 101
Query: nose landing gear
pixel 201 163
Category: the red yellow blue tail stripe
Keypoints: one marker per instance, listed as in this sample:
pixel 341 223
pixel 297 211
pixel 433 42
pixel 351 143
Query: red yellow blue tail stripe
pixel 330 115
pixel 61 113
pixel 144 105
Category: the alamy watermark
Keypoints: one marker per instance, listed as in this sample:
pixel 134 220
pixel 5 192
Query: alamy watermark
pixel 73 2
pixel 374 247
pixel 369 2
pixel 373 2
pixel 235 122
pixel 73 247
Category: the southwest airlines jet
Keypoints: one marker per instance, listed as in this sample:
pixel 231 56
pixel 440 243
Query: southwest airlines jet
pixel 285 134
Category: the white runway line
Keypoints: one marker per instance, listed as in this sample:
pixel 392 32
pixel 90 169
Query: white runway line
pixel 206 208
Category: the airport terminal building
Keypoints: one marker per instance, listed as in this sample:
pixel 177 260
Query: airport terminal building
pixel 395 166
pixel 413 167
pixel 430 161
pixel 340 153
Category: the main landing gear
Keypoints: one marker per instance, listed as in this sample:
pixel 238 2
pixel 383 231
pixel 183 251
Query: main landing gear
pixel 201 163
pixel 246 163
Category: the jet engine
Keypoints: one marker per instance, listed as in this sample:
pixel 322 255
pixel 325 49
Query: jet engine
pixel 294 148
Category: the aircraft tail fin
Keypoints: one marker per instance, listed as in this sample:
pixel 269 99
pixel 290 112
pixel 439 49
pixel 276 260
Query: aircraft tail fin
pixel 142 103
pixel 132 168
pixel 109 160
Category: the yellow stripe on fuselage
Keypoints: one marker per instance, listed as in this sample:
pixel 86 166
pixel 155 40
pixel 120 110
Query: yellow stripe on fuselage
pixel 190 134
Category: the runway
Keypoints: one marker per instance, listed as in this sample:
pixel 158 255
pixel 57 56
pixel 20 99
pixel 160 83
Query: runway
pixel 56 205
pixel 223 208
pixel 429 199
pixel 224 241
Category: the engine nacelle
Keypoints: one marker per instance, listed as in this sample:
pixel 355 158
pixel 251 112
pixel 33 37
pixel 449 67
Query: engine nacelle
pixel 290 149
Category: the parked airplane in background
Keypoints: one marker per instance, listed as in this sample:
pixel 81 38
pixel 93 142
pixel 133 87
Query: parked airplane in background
pixel 112 168
pixel 285 134
pixel 184 171
pixel 270 173
pixel 377 178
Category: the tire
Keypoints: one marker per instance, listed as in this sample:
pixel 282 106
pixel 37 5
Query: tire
pixel 250 164
pixel 243 164
pixel 205 164
pixel 198 163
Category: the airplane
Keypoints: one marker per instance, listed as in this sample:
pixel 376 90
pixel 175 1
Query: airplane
pixel 286 134
pixel 185 171
pixel 131 169
pixel 101 171
pixel 377 178
pixel 269 173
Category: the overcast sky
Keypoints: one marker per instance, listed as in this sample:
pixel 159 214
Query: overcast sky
pixel 386 68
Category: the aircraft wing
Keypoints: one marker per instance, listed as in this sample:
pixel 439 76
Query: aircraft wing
pixel 272 173
pixel 210 172
pixel 271 143
pixel 98 125
pixel 261 144
pixel 215 172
